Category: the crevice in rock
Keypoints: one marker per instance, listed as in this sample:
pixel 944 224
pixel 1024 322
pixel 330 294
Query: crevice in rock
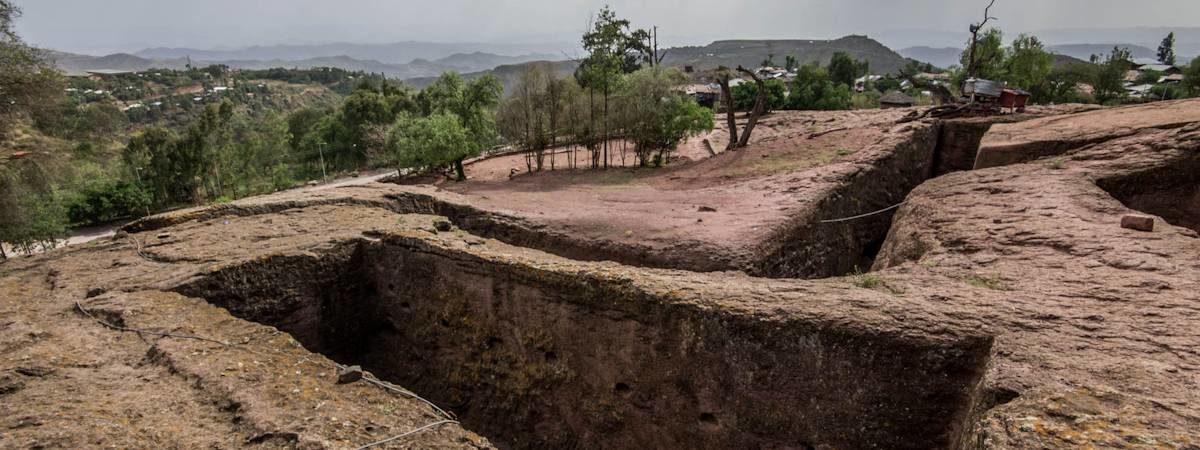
pixel 1170 191
pixel 535 358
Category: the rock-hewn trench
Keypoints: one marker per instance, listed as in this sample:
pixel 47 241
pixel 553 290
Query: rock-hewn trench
pixel 541 359
pixel 536 358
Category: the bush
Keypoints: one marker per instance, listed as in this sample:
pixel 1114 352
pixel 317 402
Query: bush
pixel 746 94
pixel 106 202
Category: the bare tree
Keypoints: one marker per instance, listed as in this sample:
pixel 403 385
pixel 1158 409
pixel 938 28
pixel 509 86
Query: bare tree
pixel 972 63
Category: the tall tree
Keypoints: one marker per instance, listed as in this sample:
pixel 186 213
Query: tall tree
pixel 1027 64
pixel 613 49
pixel 523 117
pixel 28 81
pixel 972 59
pixel 660 115
pixel 471 103
pixel 844 70
pixel 1108 81
pixel 1166 50
pixel 985 57
pixel 1191 77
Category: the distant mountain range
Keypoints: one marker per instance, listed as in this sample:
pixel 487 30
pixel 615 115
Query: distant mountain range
pixel 393 53
pixel 728 53
pixel 460 62
pixel 949 56
pixel 422 62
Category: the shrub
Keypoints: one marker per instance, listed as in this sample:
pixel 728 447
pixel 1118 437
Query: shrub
pixel 106 202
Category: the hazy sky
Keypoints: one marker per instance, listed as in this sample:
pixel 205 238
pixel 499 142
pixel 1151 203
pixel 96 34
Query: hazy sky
pixel 103 26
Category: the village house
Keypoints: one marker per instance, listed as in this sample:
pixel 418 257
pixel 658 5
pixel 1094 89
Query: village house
pixel 896 99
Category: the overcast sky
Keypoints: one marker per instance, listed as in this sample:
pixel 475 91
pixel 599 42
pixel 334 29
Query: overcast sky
pixel 104 26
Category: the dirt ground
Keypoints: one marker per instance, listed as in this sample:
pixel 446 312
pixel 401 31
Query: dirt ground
pixel 724 204
pixel 1094 328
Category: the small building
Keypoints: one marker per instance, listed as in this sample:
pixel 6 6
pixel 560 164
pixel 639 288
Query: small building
pixel 896 99
pixel 1164 68
pixel 1014 99
pixel 861 83
pixel 1174 78
pixel 706 95
pixel 1139 91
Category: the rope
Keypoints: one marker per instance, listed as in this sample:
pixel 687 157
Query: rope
pixel 402 435
pixel 847 219
pixel 85 312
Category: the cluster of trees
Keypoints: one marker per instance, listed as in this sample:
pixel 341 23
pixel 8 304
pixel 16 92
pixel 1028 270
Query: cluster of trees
pixel 30 215
pixel 454 120
pixel 223 154
pixel 1026 64
pixel 620 95
pixel 813 88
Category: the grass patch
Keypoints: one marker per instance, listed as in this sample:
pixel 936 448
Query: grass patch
pixel 845 152
pixel 1056 163
pixel 871 280
pixel 983 282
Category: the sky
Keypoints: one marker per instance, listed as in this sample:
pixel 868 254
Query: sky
pixel 108 26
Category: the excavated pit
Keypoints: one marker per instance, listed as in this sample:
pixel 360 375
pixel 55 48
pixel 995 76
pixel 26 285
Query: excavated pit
pixel 539 358
pixel 1171 192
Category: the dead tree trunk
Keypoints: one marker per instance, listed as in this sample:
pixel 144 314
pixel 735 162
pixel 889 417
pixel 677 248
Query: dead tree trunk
pixel 730 114
pixel 760 105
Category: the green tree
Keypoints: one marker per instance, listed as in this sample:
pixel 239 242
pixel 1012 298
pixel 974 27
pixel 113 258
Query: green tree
pixel 660 115
pixel 813 90
pixel 1026 65
pixel 989 56
pixel 613 49
pixel 1191 78
pixel 431 142
pixel 1062 83
pixel 1108 81
pixel 472 103
pixel 770 61
pixel 32 216
pixel 523 117
pixel 745 94
pixel 28 81
pixel 844 70
pixel 1166 50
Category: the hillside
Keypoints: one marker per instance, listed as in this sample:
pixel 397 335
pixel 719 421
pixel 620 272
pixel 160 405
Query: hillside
pixel 74 64
pixel 508 74
pixel 950 56
pixel 392 53
pixel 752 52
pixel 941 57
pixel 1085 51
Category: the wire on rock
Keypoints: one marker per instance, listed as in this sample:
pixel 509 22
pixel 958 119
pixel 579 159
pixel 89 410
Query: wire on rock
pixel 408 433
pixel 860 216
pixel 79 306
